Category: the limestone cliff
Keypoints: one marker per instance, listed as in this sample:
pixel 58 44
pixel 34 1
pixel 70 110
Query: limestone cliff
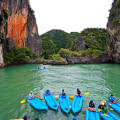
pixel 113 29
pixel 18 25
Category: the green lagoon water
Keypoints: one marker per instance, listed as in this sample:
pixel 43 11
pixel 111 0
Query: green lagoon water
pixel 16 81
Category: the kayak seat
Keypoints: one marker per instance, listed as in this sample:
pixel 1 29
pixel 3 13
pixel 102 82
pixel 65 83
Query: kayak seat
pixel 66 108
pixel 55 105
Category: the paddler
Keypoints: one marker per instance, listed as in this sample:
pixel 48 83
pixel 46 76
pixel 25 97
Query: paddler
pixel 78 92
pixel 63 93
pixel 103 108
pixel 111 99
pixel 91 106
pixel 31 96
pixel 47 92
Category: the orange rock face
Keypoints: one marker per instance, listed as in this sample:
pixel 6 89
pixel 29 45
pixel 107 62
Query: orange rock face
pixel 17 28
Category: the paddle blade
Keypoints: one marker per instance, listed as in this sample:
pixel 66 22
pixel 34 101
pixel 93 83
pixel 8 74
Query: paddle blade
pixel 56 96
pixel 39 95
pixel 99 109
pixel 111 109
pixel 55 92
pixel 103 101
pixel 84 108
pixel 106 115
pixel 23 101
pixel 71 97
pixel 86 93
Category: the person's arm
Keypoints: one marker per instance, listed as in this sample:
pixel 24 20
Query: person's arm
pixel 98 107
pixel 29 97
pixel 89 104
pixel 93 105
pixel 106 107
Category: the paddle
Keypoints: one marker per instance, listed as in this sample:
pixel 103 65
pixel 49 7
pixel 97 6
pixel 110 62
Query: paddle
pixel 84 108
pixel 106 115
pixel 40 95
pixel 56 92
pixel 22 101
pixel 86 93
pixel 102 101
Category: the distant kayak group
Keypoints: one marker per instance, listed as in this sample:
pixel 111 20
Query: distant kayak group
pixel 92 113
pixel 44 68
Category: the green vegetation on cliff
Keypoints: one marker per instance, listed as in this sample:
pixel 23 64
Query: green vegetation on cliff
pixel 58 44
pixel 114 16
pixel 19 55
pixel 54 40
pixel 95 38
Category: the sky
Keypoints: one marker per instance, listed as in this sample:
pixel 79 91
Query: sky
pixel 70 15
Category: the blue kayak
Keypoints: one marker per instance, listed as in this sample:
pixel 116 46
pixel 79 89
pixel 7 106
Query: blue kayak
pixel 74 118
pixel 51 101
pixel 115 106
pixel 92 115
pixel 77 103
pixel 108 116
pixel 37 104
pixel 42 69
pixel 64 103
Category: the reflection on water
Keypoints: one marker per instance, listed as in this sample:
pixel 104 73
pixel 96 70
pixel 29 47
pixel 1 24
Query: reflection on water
pixel 100 80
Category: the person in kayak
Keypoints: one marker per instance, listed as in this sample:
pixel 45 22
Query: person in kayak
pixel 47 92
pixel 103 108
pixel 111 99
pixel 25 117
pixel 78 92
pixel 63 93
pixel 91 106
pixel 31 96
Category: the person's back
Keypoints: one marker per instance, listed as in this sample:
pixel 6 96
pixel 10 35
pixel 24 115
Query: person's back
pixel 31 95
pixel 91 106
pixel 63 93
pixel 78 92
pixel 103 108
pixel 47 92
pixel 36 119
pixel 25 117
pixel 111 99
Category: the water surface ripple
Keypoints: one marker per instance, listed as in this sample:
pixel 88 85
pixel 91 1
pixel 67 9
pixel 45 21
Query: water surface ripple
pixel 16 81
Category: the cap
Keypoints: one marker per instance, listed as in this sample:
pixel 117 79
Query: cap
pixel 30 91
pixel 102 103
pixel 111 95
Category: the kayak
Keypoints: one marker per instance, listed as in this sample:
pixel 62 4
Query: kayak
pixel 51 101
pixel 42 69
pixel 92 115
pixel 37 104
pixel 77 103
pixel 64 103
pixel 74 118
pixel 115 106
pixel 108 116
